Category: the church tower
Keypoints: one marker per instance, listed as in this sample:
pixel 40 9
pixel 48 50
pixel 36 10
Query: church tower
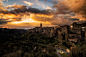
pixel 40 25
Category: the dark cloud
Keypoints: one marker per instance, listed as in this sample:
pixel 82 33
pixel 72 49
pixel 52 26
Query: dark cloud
pixel 61 8
pixel 73 19
pixel 41 15
pixel 80 22
pixel 23 9
pixel 5 12
pixel 72 14
pixel 32 10
pixel 16 6
pixel 3 21
pixel 60 21
pixel 71 6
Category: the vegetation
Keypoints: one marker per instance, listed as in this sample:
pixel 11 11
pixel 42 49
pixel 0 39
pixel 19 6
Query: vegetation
pixel 21 44
pixel 80 51
pixel 27 45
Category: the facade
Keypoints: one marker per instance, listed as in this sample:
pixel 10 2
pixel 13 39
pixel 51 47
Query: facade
pixel 74 32
pixel 72 39
pixel 78 29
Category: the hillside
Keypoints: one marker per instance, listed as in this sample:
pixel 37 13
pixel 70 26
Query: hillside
pixel 28 45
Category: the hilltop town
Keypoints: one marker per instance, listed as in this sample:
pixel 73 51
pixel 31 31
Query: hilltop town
pixel 75 32
pixel 69 35
pixel 58 41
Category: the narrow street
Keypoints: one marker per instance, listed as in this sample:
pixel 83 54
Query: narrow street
pixel 58 50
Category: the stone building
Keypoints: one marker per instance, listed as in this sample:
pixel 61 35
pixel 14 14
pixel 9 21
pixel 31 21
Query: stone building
pixel 78 29
pixel 78 36
pixel 73 39
pixel 85 32
pixel 65 29
pixel 59 31
pixel 47 31
pixel 76 25
pixel 63 32
pixel 51 32
pixel 40 25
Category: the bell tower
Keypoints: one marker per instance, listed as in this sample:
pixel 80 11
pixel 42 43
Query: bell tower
pixel 40 25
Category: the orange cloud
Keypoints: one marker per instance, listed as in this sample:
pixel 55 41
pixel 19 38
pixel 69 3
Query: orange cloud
pixel 2 9
pixel 75 6
pixel 10 17
pixel 1 6
pixel 23 18
pixel 25 25
pixel 41 17
pixel 15 6
pixel 32 17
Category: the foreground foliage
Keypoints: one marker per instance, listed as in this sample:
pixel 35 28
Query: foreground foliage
pixel 28 45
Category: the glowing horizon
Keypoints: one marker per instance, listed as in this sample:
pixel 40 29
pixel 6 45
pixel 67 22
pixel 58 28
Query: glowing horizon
pixel 30 13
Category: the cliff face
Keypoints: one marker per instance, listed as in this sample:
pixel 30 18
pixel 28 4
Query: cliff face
pixel 62 32
pixel 52 31
pixel 47 31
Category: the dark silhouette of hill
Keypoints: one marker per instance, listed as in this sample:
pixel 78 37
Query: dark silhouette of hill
pixel 17 43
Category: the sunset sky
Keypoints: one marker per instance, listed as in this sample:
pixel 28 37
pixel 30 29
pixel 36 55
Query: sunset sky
pixel 23 14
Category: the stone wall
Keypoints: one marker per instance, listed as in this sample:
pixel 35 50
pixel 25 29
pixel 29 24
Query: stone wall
pixel 75 35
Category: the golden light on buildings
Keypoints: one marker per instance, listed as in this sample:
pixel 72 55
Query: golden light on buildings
pixel 71 26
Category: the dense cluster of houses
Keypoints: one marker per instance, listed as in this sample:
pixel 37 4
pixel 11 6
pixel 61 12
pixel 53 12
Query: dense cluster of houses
pixel 75 32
